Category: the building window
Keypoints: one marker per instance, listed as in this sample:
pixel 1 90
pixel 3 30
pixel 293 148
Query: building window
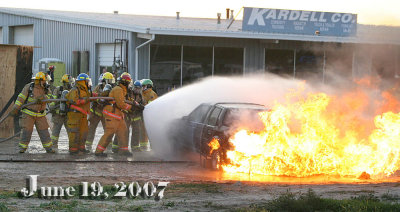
pixel 165 67
pixel 197 63
pixel 166 60
pixel 383 59
pixel 228 61
pixel 279 61
pixel 339 62
pixel 309 65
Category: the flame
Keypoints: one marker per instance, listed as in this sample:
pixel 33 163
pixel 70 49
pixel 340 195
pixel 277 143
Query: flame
pixel 214 145
pixel 318 134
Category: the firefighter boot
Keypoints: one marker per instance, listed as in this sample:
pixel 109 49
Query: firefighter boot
pixel 126 153
pixel 135 136
pixel 100 154
pixel 103 143
pixel 144 146
pixel 22 147
pixel 84 150
pixel 115 146
pixel 54 139
pixel 25 138
pixel 136 149
pixel 50 150
pixel 46 141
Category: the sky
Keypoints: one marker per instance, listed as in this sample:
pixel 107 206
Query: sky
pixel 375 12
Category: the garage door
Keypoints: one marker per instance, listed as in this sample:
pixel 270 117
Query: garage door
pixel 1 35
pixel 106 54
pixel 23 35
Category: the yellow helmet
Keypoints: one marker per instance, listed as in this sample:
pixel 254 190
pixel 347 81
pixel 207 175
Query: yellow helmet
pixel 40 76
pixel 65 78
pixel 125 73
pixel 108 76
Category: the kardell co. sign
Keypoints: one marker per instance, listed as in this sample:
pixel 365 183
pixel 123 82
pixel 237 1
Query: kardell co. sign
pixel 299 22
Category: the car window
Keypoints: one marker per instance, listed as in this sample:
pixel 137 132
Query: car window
pixel 229 118
pixel 214 116
pixel 199 113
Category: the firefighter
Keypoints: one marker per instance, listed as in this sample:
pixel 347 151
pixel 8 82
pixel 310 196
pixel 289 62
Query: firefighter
pixel 96 108
pixel 115 146
pixel 133 118
pixel 50 77
pixel 34 114
pixel 79 107
pixel 136 117
pixel 148 96
pixel 59 109
pixel 114 118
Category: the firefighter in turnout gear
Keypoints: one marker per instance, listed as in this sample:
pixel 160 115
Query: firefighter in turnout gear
pixel 133 95
pixel 114 118
pixel 136 117
pixel 115 145
pixel 148 96
pixel 79 107
pixel 59 109
pixel 96 108
pixel 34 114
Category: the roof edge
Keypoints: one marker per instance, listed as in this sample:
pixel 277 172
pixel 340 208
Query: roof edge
pixel 75 21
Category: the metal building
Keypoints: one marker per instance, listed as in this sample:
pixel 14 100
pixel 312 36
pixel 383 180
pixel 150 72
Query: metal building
pixel 174 51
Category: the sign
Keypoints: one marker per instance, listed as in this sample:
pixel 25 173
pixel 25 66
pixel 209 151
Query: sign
pixel 299 22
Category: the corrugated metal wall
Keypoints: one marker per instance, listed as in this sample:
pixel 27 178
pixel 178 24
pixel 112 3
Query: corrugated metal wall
pixel 7 20
pixel 58 39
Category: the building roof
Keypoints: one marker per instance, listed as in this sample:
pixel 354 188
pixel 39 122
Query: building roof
pixel 207 27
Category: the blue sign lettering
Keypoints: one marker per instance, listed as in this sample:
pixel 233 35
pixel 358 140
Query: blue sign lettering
pixel 299 22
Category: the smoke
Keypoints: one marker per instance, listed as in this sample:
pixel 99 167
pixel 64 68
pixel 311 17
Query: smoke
pixel 159 114
pixel 356 102
pixel 356 76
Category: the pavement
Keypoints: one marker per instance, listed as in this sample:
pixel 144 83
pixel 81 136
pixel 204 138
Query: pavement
pixel 191 188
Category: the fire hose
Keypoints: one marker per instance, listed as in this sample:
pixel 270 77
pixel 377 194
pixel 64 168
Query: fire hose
pixel 11 137
pixel 134 103
pixel 54 100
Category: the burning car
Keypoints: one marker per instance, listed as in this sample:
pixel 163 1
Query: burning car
pixel 214 121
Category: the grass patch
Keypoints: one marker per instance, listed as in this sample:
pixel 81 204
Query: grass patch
pixel 3 207
pixel 213 206
pixel 135 208
pixel 63 205
pixel 7 194
pixel 125 207
pixel 390 197
pixel 310 201
pixel 169 204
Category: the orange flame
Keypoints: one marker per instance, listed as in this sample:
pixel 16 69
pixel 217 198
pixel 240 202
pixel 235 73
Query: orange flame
pixel 214 145
pixel 318 134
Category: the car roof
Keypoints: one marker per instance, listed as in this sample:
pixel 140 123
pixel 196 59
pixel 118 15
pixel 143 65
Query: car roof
pixel 242 105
